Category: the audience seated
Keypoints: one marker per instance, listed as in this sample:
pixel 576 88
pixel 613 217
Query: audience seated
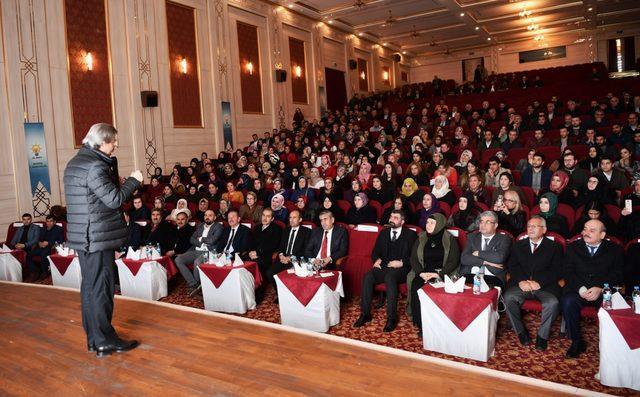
pixel 50 235
pixel 134 233
pixel 139 212
pixel 265 240
pixel 236 238
pixel 327 243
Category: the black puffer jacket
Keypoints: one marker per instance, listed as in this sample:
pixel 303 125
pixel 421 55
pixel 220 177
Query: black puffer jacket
pixel 94 219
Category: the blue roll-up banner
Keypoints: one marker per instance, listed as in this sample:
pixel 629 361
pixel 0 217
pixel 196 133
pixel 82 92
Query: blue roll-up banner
pixel 37 156
pixel 226 126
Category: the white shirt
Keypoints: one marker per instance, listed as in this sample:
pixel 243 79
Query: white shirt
pixel 593 246
pixel 398 231
pixel 483 245
pixel 329 234
pixel 205 231
pixel 531 243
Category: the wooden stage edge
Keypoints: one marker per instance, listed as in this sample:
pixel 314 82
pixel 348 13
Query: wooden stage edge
pixel 388 354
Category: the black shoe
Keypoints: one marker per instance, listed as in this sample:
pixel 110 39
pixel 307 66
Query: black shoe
pixel 362 320
pixel 91 348
pixel 104 351
pixel 119 346
pixel 541 344
pixel 577 348
pixel 525 339
pixel 391 324
pixel 195 290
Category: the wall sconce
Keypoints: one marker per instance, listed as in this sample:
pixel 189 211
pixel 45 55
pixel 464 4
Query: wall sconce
pixel 363 76
pixel 183 65
pixel 88 61
pixel 297 71
pixel 249 68
pixel 385 76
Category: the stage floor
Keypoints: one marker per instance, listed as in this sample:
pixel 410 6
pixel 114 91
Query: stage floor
pixel 188 351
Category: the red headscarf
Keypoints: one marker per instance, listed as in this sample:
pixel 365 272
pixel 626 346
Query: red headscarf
pixel 564 181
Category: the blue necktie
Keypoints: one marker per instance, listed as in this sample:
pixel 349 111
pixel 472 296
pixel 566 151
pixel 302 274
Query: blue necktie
pixel 592 250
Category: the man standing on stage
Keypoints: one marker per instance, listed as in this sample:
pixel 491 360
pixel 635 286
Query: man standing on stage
pixel 95 229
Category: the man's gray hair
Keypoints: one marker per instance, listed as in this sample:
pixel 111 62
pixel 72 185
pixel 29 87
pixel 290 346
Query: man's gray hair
pixel 490 214
pixel 544 221
pixel 98 134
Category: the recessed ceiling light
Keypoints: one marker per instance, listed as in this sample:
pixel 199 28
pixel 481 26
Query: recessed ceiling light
pixel 462 14
pixel 404 53
pixel 488 38
pixel 384 44
pixel 477 28
pixel 590 9
pixel 290 5
pixel 360 34
pixel 330 21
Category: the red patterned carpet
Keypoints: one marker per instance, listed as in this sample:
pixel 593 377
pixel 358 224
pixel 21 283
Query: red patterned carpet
pixel 510 356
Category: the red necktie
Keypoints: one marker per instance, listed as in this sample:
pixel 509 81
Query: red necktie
pixel 323 248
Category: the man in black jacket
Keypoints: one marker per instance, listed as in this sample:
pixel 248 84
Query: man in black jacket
pixel 391 257
pixel 95 229
pixel 160 232
pixel 590 263
pixel 236 238
pixel 293 243
pixel 535 266
pixel 181 235
pixel 134 233
pixel 50 235
pixel 264 242
pixel 328 243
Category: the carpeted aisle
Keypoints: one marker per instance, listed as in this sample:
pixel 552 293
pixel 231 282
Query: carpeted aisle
pixel 510 356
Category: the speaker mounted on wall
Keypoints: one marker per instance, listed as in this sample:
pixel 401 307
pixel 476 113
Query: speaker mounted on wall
pixel 397 57
pixel 281 75
pixel 353 64
pixel 149 99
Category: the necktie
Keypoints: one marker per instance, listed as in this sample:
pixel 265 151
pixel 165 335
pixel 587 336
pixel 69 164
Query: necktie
pixel 485 242
pixel 395 236
pixel 325 243
pixel 535 247
pixel 233 234
pixel 592 250
pixel 290 244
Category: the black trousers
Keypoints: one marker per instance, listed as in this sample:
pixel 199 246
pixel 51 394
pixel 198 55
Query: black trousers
pixel 391 277
pixel 43 253
pixel 96 294
pixel 275 268
pixel 417 283
pixel 571 304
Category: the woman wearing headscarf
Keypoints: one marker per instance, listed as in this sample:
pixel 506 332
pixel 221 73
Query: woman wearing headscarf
pixel 233 195
pixel 329 204
pixel 159 203
pixel 361 212
pixel 251 211
pixel 364 174
pixel 555 222
pixel 506 183
pixel 461 165
pixel 315 180
pixel 157 173
pixel 307 213
pixel 596 210
pixel 379 192
pixel 280 212
pixel 193 195
pixel 326 169
pixel 356 187
pixel 558 184
pixel 442 192
pixel 302 191
pixel 400 204
pixel 169 195
pixel 467 214
pixel 594 190
pixel 278 188
pixel 181 206
pixel 416 172
pixel 430 206
pixel 223 211
pixel 390 177
pixel 434 254
pixel 411 192
pixel 592 162
pixel 154 189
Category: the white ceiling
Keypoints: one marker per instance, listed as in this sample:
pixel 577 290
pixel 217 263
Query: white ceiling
pixel 423 27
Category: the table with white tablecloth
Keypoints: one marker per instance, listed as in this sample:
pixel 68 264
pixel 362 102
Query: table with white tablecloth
pixel 145 278
pixel 461 324
pixel 311 303
pixel 230 289
pixel 619 348
pixel 12 265
pixel 65 271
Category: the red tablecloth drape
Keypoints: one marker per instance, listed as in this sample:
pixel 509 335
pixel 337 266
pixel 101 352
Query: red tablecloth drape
pixel 217 275
pixel 165 261
pixel 461 308
pixel 628 324
pixel 62 262
pixel 305 288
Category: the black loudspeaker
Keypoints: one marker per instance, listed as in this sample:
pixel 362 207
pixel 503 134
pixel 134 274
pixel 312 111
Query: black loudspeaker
pixel 281 76
pixel 397 57
pixel 149 99
pixel 353 64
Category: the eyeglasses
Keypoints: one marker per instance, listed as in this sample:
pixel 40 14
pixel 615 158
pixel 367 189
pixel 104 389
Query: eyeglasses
pixel 510 200
pixel 486 222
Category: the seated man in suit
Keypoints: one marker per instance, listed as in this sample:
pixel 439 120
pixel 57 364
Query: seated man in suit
pixel 50 235
pixel 27 235
pixel 134 237
pixel 139 212
pixel 205 237
pixel 181 235
pixel 486 248
pixel 293 243
pixel 264 242
pixel 589 263
pixel 535 266
pixel 160 232
pixel 327 243
pixel 391 257
pixel 537 177
pixel 236 238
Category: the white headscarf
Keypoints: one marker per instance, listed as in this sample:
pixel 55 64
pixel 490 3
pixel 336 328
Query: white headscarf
pixel 444 189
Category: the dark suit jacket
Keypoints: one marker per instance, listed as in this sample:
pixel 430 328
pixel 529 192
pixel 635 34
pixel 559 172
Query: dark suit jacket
pixel 580 269
pixel 265 242
pixel 212 239
pixel 143 214
pixel 162 236
pixel 496 252
pixel 299 245
pixel 241 241
pixel 339 242
pixel 33 236
pixel 402 250
pixel 544 266
pixel 53 236
pixel 527 177
pixel 182 238
pixel 134 237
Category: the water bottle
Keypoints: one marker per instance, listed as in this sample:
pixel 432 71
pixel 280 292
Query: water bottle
pixel 294 260
pixel 606 297
pixel 477 283
pixel 636 299
pixel 228 258
pixel 158 249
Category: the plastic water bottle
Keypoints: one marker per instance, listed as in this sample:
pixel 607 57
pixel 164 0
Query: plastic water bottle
pixel 158 249
pixel 636 299
pixel 606 297
pixel 477 283
pixel 228 258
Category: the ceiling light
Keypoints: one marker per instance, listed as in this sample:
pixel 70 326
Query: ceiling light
pixel 477 28
pixel 525 13
pixel 404 53
pixel 384 44
pixel 290 5
pixel 590 9
pixel 330 21
pixel 488 38
pixel 360 34
pixel 462 14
